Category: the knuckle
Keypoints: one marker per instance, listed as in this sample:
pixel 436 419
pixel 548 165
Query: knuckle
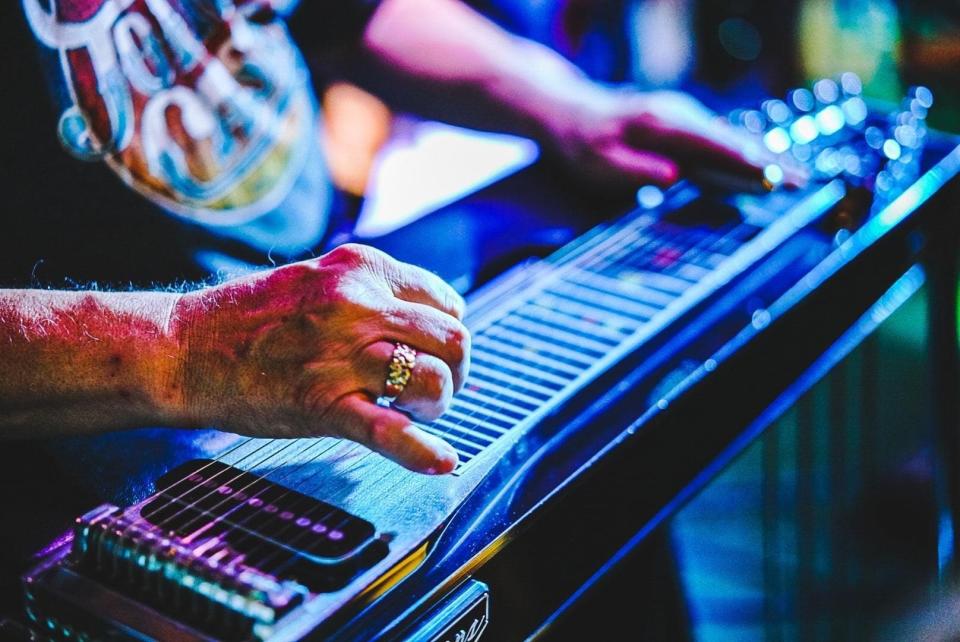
pixel 454 302
pixel 291 278
pixel 434 384
pixel 351 253
pixel 356 255
pixel 431 412
pixel 379 433
pixel 458 341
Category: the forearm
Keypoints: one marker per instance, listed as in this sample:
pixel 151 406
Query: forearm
pixel 81 362
pixel 466 69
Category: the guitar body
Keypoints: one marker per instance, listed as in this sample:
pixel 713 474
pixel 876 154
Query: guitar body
pixel 206 535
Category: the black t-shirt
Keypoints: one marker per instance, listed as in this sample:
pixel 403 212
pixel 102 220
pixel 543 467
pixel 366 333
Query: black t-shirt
pixel 66 221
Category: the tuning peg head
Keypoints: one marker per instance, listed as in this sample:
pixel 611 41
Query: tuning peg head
pixel 851 84
pixel 777 111
pixel 826 91
pixel 802 100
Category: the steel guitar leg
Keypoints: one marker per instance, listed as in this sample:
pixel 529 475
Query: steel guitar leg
pixel 942 269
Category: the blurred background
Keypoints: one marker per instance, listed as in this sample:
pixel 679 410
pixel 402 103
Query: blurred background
pixel 726 52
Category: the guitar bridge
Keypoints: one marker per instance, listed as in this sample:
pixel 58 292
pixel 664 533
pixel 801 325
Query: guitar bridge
pixel 219 550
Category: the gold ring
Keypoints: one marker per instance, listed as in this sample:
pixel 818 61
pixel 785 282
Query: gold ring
pixel 402 363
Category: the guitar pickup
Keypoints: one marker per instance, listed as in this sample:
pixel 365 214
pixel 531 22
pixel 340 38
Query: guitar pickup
pixel 217 549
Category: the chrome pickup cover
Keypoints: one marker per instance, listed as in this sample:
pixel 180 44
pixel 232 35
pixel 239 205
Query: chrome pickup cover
pixel 224 550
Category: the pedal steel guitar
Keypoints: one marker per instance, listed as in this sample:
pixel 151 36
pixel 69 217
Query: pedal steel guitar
pixel 591 368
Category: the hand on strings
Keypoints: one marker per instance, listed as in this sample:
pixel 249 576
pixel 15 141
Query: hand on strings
pixel 628 137
pixel 304 350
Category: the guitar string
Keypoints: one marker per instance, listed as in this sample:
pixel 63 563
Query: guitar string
pixel 309 515
pixel 499 397
pixel 319 443
pixel 290 472
pixel 597 250
pixel 313 520
pixel 511 387
pixel 320 452
pixel 126 530
pixel 328 512
pixel 165 522
pixel 613 232
pixel 703 242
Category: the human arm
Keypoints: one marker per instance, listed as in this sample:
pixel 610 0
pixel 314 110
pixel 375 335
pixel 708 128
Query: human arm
pixel 297 351
pixel 85 361
pixel 458 66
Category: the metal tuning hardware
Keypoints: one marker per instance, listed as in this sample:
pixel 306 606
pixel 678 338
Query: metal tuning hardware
pixel 217 552
pixel 832 131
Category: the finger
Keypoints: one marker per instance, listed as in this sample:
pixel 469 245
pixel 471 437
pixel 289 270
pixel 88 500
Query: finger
pixel 416 285
pixel 428 393
pixel 773 170
pixel 392 434
pixel 755 153
pixel 642 166
pixel 427 330
pixel 718 147
pixel 680 126
pixel 698 137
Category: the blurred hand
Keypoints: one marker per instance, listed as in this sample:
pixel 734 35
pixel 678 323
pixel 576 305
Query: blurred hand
pixel 303 350
pixel 625 136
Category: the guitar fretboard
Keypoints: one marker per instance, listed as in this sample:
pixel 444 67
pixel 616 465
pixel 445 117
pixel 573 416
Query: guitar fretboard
pixel 543 343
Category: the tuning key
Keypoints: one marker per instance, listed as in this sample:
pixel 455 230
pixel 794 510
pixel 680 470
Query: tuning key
pixel 777 111
pixel 826 91
pixel 802 100
pixel 753 121
pixel 851 84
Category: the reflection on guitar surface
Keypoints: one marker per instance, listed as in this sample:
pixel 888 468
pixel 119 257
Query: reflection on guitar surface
pixel 278 539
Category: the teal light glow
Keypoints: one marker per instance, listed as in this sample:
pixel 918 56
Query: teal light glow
pixel 920 191
pixel 773 174
pixel 830 120
pixel 650 196
pixel 891 149
pixel 804 130
pixel 903 205
pixel 777 140
pixel 855 110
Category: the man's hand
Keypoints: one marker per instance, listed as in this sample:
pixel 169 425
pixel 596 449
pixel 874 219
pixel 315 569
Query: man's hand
pixel 625 136
pixel 298 351
pixel 303 351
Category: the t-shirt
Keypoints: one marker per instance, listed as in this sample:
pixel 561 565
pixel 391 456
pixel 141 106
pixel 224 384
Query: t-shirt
pixel 192 132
